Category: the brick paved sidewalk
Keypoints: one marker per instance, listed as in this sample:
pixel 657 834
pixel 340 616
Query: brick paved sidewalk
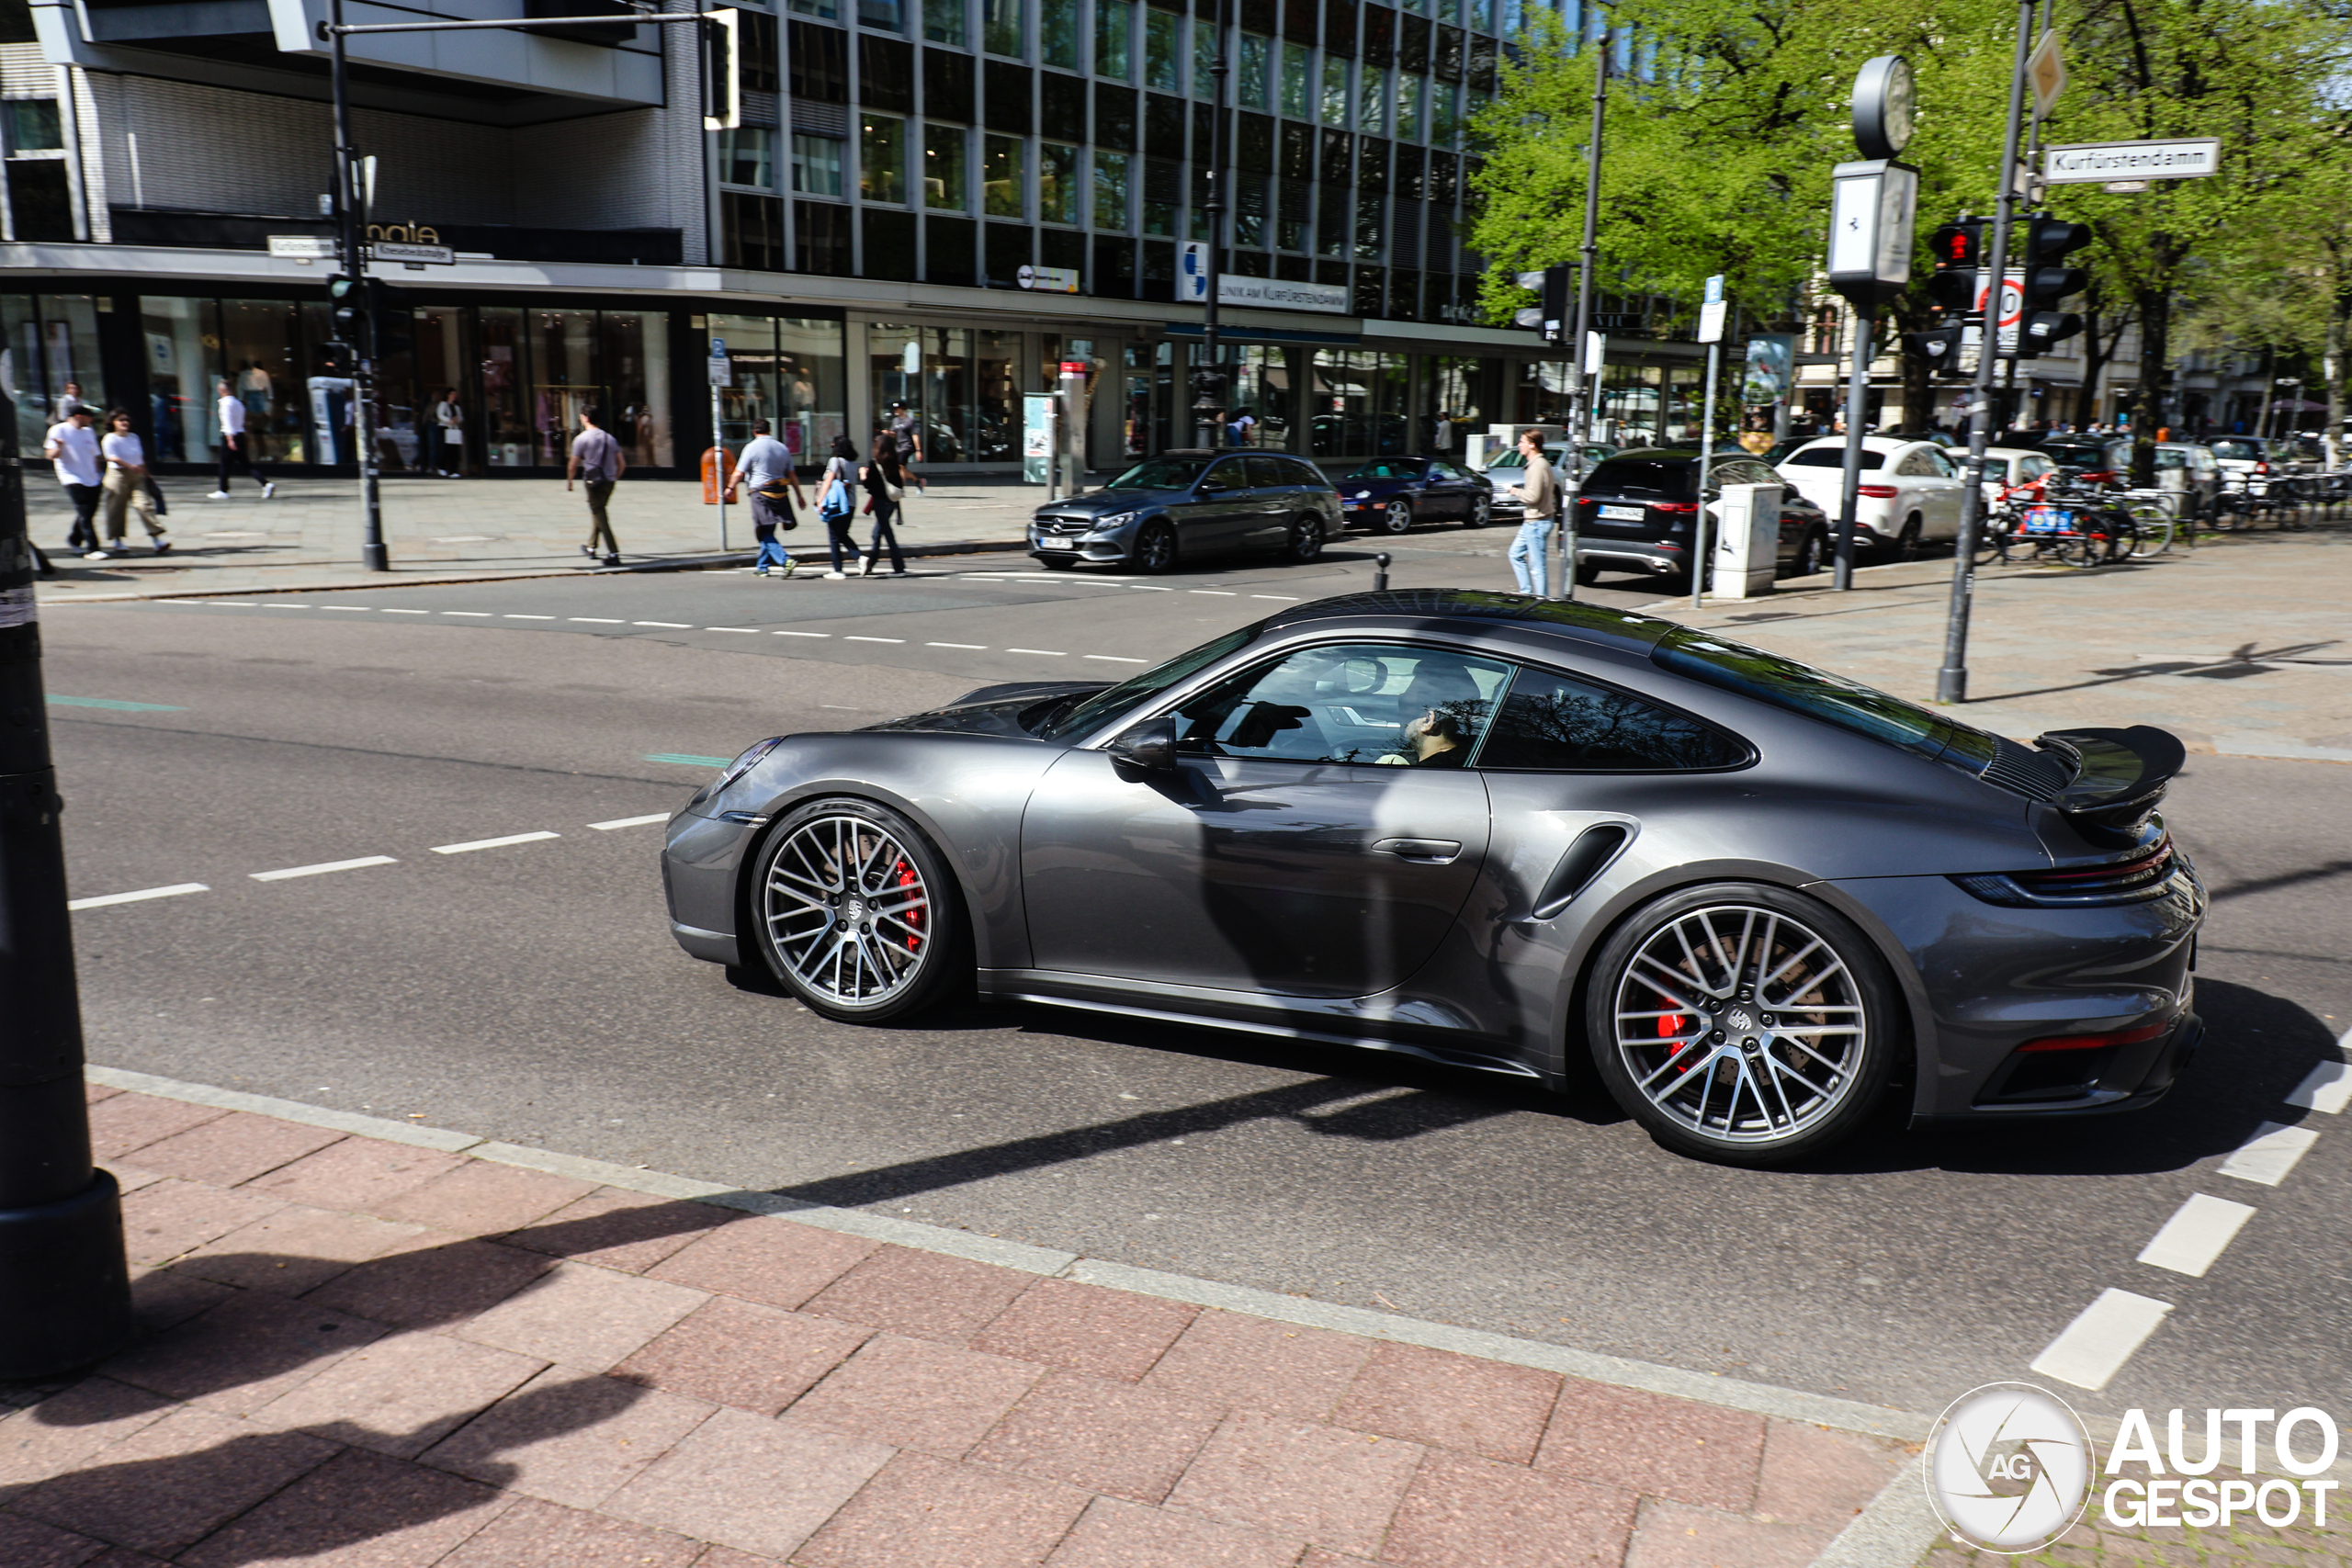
pixel 359 1352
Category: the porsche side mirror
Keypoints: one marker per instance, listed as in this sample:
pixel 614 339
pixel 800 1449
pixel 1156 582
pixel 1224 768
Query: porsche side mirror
pixel 1149 748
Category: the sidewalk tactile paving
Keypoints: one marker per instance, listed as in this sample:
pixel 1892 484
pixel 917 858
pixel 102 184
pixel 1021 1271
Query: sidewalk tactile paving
pixel 582 1317
pixel 1462 1512
pixel 774 1262
pixel 922 1512
pixel 232 1148
pixel 1109 1334
pixel 1451 1401
pixel 927 1294
pixel 742 1354
pixel 1647 1442
pixel 913 1394
pixel 800 1478
pixel 484 1198
pixel 401 1394
pixel 568 1439
pixel 1226 1358
pixel 1110 1437
pixel 1335 1488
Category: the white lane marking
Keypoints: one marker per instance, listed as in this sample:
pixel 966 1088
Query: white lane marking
pixel 855 638
pixel 2270 1154
pixel 629 821
pixel 1150 588
pixel 1046 652
pixel 800 634
pixel 493 843
pixel 174 891
pixel 349 609
pixel 408 611
pixel 747 631
pixel 234 603
pixel 322 868
pixel 599 620
pixel 843 707
pixel 2103 1336
pixel 476 615
pixel 2327 1087
pixel 969 647
pixel 513 617
pixel 1216 593
pixel 1285 598
pixel 2196 1235
pixel 274 605
pixel 665 626
pixel 1113 659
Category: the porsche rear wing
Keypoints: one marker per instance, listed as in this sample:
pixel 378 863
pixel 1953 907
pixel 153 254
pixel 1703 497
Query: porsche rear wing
pixel 2120 775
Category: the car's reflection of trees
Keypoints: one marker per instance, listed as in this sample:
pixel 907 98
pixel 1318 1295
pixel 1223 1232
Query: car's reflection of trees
pixel 1601 732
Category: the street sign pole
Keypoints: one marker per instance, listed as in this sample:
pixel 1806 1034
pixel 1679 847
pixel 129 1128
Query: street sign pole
pixel 1710 333
pixel 1579 396
pixel 722 375
pixel 373 556
pixel 1951 681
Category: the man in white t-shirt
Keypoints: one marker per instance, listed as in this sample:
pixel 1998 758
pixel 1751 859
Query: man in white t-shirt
pixel 72 446
pixel 236 450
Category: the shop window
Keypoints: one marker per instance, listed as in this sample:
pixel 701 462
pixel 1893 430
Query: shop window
pixel 1057 33
pixel 1008 97
pixel 1115 118
pixel 951 251
pixel 882 158
pixel 1163 127
pixel 888 79
pixel 635 375
pixel 505 429
pixel 1061 107
pixel 441 362
pixel 820 239
pixel 182 338
pixel 820 63
pixel 1009 250
pixel 889 245
pixel 563 378
pixel 943 22
pixel 1115 24
pixel 992 429
pixel 261 354
pixel 811 387
pixel 948 85
pixel 1161 57
pixel 1003 176
pixel 816 165
pixel 945 186
pixel 1000 26
pixel 1110 191
pixel 747 156
pixel 755 66
pixel 1058 187
pixel 1334 102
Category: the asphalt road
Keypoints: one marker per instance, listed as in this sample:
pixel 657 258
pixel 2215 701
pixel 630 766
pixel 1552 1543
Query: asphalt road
pixel 529 992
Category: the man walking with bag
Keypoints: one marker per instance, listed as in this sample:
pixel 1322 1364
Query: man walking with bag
pixel 596 460
pixel 1540 492
pixel 766 467
pixel 72 447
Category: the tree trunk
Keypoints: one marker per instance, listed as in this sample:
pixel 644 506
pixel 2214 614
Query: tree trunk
pixel 2332 365
pixel 2151 412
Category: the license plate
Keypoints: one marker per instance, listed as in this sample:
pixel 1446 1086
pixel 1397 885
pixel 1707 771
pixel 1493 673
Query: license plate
pixel 1625 513
pixel 1049 543
pixel 2049 520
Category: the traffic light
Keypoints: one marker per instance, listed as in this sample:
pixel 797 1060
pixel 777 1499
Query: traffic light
pixel 342 308
pixel 723 43
pixel 1958 251
pixel 387 312
pixel 1557 325
pixel 1939 346
pixel 2047 280
pixel 336 359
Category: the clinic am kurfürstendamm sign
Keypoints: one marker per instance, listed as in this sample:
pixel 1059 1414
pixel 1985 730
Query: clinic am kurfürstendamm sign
pixel 2090 161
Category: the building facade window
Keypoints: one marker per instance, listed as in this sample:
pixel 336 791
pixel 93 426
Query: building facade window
pixel 1410 90
pixel 753 227
pixel 1372 101
pixel 1114 26
pixel 830 10
pixel 1057 184
pixel 1296 83
pixel 747 156
pixel 1163 58
pixel 1204 59
pixel 882 158
pixel 943 22
pixel 945 186
pixel 1058 24
pixel 816 165
pixel 1335 90
pixel 1001 27
pixel 1004 176
pixel 1253 69
pixel 1111 192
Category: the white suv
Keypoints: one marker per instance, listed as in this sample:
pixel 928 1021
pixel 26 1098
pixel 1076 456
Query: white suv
pixel 1910 489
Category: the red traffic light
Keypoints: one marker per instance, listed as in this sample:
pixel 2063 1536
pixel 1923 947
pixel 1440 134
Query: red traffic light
pixel 1959 244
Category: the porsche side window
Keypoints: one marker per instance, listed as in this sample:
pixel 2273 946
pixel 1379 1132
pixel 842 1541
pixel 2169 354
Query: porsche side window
pixel 1354 704
pixel 1556 723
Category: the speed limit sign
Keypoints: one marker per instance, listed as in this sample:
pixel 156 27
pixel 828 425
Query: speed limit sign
pixel 2012 303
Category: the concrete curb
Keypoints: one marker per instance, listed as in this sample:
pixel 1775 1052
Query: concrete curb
pixel 1730 1393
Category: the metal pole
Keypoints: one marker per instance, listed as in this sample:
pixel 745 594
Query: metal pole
pixel 1858 386
pixel 1706 458
pixel 1951 681
pixel 1213 208
pixel 1380 573
pixel 64 1288
pixel 1578 399
pixel 372 554
pixel 718 465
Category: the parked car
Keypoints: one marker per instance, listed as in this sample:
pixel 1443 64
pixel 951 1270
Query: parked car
pixel 1910 490
pixel 2006 467
pixel 1186 504
pixel 2250 460
pixel 1639 511
pixel 1536 839
pixel 1390 494
pixel 2092 459
pixel 1507 468
pixel 2201 474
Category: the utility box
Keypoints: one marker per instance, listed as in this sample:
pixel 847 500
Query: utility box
pixel 1748 540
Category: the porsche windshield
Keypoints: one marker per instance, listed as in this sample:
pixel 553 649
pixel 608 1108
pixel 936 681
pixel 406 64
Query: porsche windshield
pixel 1048 722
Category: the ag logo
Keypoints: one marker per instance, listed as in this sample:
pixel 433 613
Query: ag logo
pixel 2008 1468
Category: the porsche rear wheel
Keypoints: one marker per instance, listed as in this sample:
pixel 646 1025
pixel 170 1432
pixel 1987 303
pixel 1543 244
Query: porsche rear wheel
pixel 856 912
pixel 1742 1024
pixel 1397 517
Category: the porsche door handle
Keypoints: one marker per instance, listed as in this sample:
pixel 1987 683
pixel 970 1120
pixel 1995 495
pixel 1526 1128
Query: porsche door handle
pixel 1428 852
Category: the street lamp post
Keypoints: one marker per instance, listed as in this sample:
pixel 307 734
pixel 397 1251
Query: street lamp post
pixel 1580 394
pixel 64 1288
pixel 1211 387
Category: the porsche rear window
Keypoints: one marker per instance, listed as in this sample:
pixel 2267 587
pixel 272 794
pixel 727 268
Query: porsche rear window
pixel 1816 694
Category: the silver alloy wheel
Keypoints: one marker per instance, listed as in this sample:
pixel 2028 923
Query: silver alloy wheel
pixel 1479 506
pixel 847 910
pixel 1741 1024
pixel 1398 518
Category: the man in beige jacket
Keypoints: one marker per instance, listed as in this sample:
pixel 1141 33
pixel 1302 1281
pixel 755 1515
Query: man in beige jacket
pixel 1531 553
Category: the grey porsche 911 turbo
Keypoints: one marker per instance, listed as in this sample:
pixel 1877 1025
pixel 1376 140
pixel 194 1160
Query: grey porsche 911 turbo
pixel 1504 833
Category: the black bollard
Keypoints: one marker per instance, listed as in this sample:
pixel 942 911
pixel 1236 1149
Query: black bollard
pixel 1380 573
pixel 65 1291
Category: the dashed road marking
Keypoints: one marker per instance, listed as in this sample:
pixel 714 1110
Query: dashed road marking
pixel 513 617
pixel 800 634
pixel 349 609
pixel 2270 1154
pixel 2326 1088
pixel 174 891
pixel 1215 593
pixel 630 821
pixel 2196 1235
pixel 322 868
pixel 665 626
pixel 747 631
pixel 474 615
pixel 967 647
pixel 1285 598
pixel 598 620
pixel 282 604
pixel 855 638
pixel 501 843
pixel 1042 652
pixel 408 611
pixel 2103 1336
pixel 1114 659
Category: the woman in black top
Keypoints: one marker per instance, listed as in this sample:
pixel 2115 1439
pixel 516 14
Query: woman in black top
pixel 885 482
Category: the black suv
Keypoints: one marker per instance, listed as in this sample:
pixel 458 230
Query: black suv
pixel 1639 511
pixel 1184 504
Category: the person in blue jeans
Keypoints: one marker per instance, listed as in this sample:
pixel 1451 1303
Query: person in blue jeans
pixel 766 469
pixel 1531 553
pixel 837 502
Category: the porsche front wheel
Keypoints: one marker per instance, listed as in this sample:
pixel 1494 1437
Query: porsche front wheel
pixel 856 912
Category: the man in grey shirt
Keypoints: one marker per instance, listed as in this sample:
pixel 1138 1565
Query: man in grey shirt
pixel 1530 553
pixel 596 459
pixel 765 467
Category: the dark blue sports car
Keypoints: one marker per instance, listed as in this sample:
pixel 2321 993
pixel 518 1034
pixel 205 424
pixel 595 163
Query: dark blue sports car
pixel 1389 495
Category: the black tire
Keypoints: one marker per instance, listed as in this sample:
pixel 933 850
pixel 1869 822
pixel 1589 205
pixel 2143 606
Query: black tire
pixel 1587 572
pixel 1813 554
pixel 1397 517
pixel 1057 563
pixel 1482 509
pixel 1155 549
pixel 1306 541
pixel 1728 1011
pixel 907 943
pixel 1909 545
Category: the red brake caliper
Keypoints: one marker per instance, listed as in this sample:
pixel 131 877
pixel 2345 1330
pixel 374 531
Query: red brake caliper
pixel 913 917
pixel 1667 1026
